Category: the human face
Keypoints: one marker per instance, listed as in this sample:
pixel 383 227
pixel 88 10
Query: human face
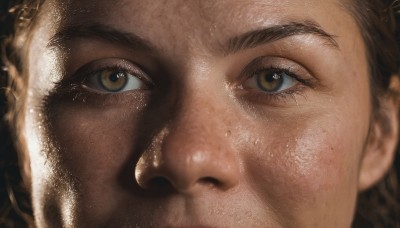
pixel 196 113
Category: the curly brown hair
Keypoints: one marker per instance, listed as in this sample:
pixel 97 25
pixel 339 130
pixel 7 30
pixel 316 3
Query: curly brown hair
pixel 15 204
pixel 379 24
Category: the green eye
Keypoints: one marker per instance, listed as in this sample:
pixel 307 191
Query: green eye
pixel 270 81
pixel 112 81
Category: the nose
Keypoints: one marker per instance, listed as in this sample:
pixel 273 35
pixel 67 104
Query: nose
pixel 193 153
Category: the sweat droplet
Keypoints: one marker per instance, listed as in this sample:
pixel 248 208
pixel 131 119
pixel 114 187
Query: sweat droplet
pixel 256 141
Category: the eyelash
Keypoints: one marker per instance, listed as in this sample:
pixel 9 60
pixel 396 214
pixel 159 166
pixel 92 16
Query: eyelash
pixel 282 96
pixel 74 85
pixel 115 68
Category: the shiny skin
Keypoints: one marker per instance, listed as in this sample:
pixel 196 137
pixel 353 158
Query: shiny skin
pixel 198 148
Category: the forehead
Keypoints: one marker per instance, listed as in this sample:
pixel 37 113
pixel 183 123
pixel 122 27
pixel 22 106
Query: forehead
pixel 198 23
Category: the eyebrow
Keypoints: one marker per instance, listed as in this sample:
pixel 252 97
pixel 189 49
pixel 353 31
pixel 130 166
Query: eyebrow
pixel 102 32
pixel 247 40
pixel 262 36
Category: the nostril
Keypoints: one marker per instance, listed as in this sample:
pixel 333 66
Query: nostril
pixel 159 183
pixel 210 181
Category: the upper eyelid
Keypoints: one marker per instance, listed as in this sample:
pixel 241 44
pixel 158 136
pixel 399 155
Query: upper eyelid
pixel 97 66
pixel 291 67
pixel 288 71
pixel 274 62
pixel 259 63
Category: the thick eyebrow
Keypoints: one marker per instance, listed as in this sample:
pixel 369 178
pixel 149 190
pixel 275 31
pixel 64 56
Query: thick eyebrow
pixel 277 32
pixel 244 41
pixel 102 32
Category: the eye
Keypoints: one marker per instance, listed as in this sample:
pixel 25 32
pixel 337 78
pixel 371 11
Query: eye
pixel 114 81
pixel 270 80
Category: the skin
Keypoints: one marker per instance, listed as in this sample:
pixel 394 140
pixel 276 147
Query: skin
pixel 202 145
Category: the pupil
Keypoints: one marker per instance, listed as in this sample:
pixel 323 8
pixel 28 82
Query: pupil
pixel 115 77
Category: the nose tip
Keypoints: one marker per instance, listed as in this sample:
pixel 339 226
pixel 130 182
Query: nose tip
pixel 187 165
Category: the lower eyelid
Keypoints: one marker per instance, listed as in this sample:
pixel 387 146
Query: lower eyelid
pixel 103 100
pixel 276 99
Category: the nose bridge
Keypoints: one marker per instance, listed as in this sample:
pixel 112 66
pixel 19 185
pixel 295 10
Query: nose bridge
pixel 194 148
pixel 198 115
pixel 196 136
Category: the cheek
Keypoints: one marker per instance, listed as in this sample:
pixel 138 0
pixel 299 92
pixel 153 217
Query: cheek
pixel 308 164
pixel 92 143
pixel 95 144
pixel 88 151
